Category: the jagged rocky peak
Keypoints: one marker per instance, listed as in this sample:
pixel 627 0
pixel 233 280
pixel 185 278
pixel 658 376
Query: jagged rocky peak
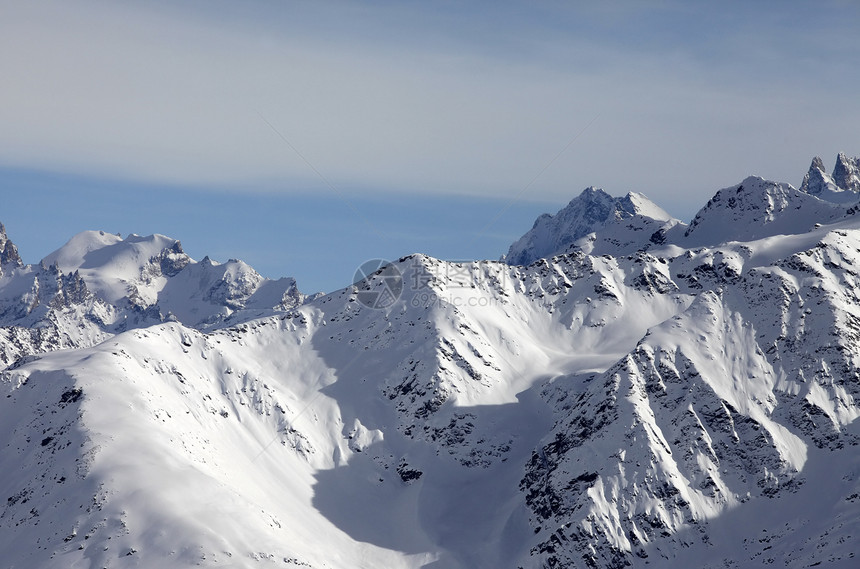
pixel 591 211
pixel 173 259
pixel 842 186
pixel 846 173
pixel 8 250
pixel 817 181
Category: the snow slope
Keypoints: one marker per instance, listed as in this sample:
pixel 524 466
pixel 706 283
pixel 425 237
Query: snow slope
pixel 716 410
pixel 403 432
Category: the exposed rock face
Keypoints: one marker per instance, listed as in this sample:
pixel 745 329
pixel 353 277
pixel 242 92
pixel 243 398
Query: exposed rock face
pixel 715 408
pixel 846 173
pixel 842 187
pixel 8 252
pixel 817 181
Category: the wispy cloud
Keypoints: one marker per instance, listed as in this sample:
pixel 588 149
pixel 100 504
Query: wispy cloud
pixel 399 96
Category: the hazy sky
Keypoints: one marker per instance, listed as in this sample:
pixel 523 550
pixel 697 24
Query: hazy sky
pixel 307 137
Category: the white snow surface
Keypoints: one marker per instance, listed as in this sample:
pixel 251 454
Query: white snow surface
pixel 686 399
pixel 153 271
pixel 591 214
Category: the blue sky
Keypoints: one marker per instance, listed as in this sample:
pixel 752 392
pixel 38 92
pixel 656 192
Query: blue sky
pixel 308 137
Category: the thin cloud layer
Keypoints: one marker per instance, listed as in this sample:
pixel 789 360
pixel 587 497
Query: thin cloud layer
pixel 424 99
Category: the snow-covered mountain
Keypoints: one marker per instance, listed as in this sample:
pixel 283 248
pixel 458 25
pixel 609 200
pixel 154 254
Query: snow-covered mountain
pixel 686 399
pixel 593 222
pixel 755 209
pixel 154 274
pixel 99 284
pixel 846 173
pixel 842 186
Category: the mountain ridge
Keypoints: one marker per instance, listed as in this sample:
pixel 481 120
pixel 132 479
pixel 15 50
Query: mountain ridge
pixel 654 395
pixel 99 284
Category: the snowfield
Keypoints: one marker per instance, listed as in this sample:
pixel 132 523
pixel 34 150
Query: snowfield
pixel 622 390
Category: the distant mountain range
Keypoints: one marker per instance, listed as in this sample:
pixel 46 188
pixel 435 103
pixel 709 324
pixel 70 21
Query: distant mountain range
pixel 622 390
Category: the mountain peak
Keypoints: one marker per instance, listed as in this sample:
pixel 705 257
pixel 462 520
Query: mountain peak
pixel 758 208
pixel 593 193
pixel 635 203
pixel 817 163
pixel 846 173
pixel 591 211
pixel 8 250
pixel 843 186
pixel 817 181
